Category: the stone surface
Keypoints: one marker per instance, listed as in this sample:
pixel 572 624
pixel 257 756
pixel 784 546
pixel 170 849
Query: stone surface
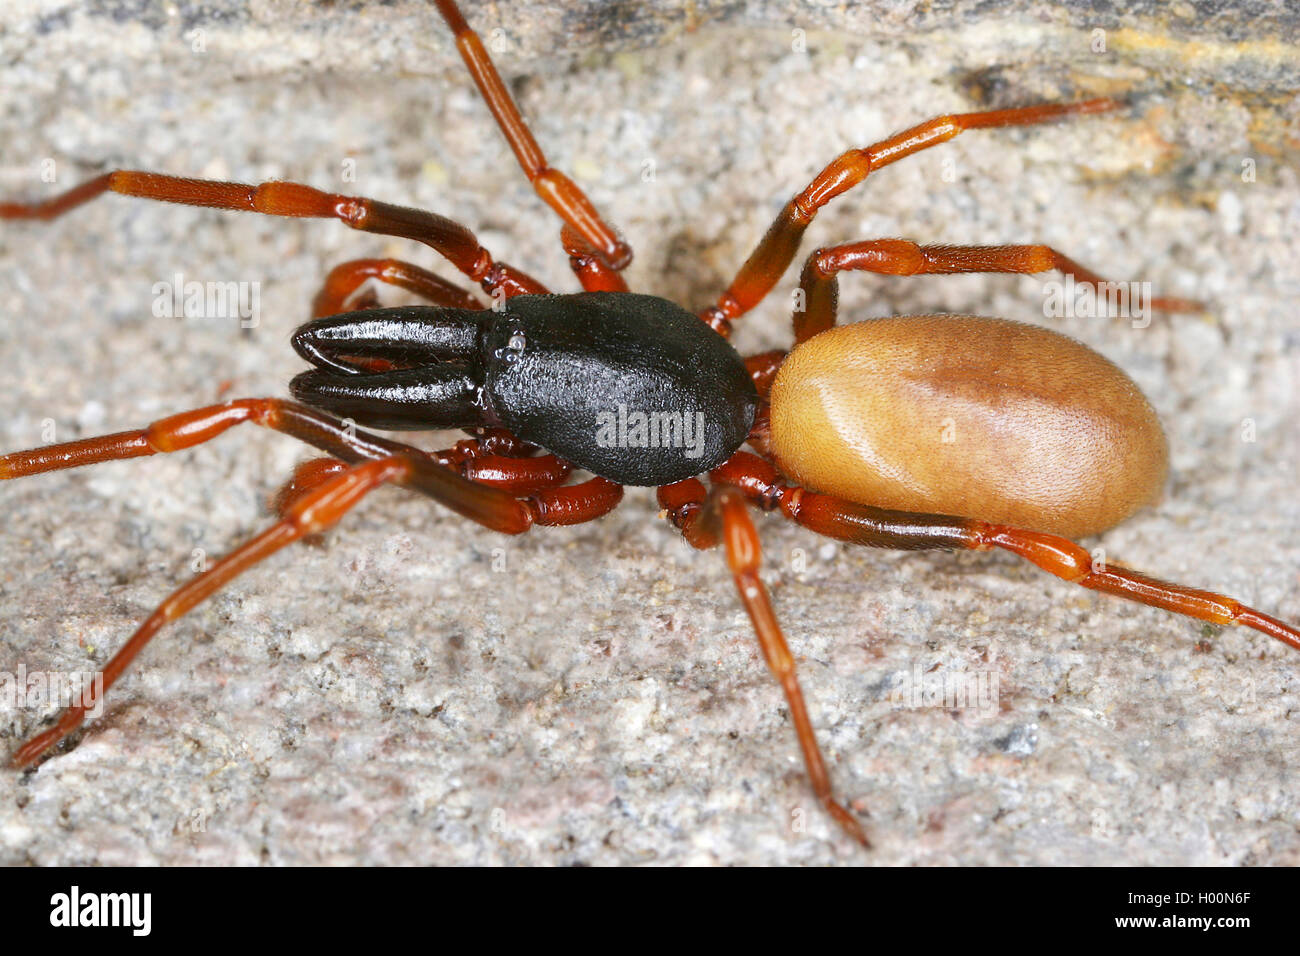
pixel 415 690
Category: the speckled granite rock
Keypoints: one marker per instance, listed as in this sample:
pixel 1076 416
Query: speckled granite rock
pixel 415 690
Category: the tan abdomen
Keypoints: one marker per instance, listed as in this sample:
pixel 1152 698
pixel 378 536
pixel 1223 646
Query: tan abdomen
pixel 960 415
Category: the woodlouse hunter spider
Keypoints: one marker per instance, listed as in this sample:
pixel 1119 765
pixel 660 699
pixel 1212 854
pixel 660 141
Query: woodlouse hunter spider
pixel 548 369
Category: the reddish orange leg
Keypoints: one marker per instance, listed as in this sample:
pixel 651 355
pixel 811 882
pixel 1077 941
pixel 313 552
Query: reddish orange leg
pixel 516 476
pixel 592 271
pixel 488 506
pixel 762 369
pixel 723 515
pixel 536 482
pixel 345 279
pixel 313 512
pixel 1068 561
pixel 882 528
pixel 306 478
pixel 488 440
pixel 322 492
pixel 775 251
pixel 309 513
pixel 450 239
pixel 556 189
pixel 496 508
pixel 900 257
pixel 500 460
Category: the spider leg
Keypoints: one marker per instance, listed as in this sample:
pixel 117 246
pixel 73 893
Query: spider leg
pixel 763 368
pixel 313 512
pixel 345 278
pixel 457 244
pixel 307 476
pixel 848 521
pixel 470 459
pixel 820 283
pixel 774 252
pixel 499 459
pixel 325 493
pixel 595 274
pixel 722 515
pixel 556 189
pixel 337 437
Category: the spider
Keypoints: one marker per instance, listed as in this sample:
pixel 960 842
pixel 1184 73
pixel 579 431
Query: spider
pixel 638 391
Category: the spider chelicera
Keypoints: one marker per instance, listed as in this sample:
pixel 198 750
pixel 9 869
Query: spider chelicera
pixel 1055 441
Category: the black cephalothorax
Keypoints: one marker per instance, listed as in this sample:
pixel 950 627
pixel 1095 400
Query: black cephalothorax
pixel 630 387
